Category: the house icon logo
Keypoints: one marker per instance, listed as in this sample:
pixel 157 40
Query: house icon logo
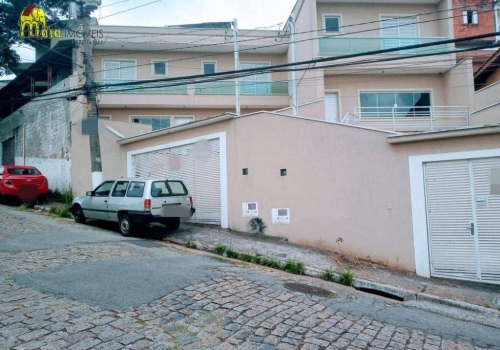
pixel 33 24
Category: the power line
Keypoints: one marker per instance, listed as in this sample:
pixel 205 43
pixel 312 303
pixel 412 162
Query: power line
pixel 133 8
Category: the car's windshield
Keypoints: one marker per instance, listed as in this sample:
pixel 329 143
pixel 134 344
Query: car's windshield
pixel 23 171
pixel 168 188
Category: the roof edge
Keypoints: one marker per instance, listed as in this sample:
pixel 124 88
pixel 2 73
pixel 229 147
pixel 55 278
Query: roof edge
pixel 445 134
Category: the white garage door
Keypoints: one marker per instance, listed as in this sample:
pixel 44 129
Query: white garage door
pixel 463 216
pixel 200 173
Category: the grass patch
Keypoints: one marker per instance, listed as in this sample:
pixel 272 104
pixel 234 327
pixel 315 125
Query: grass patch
pixel 191 245
pixel 257 259
pixel 271 262
pixel 346 278
pixel 220 249
pixel 230 253
pixel 64 196
pixel 61 212
pixel 328 275
pixel 295 267
pixel 245 257
pixel 23 207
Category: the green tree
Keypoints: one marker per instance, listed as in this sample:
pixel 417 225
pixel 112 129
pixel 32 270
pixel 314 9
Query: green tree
pixel 10 10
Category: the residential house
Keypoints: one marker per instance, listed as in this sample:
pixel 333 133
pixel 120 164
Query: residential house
pixel 486 108
pixel 383 154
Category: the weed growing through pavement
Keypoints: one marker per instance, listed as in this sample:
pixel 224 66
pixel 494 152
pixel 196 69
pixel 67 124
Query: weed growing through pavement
pixel 328 275
pixel 191 244
pixel 346 278
pixel 295 267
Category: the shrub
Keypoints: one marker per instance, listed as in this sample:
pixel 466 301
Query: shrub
pixel 295 267
pixel 328 275
pixel 346 278
pixel 245 257
pixel 220 249
pixel 272 263
pixel 191 244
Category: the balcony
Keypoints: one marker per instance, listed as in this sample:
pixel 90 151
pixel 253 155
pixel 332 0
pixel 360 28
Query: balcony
pixel 246 88
pixel 343 45
pixel 143 88
pixel 404 119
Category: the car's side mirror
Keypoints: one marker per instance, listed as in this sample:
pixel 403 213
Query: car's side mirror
pixel 90 193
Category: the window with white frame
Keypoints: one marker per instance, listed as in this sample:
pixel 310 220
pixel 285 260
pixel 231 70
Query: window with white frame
pixel 159 67
pixel 156 122
pixel 119 69
pixel 470 17
pixel 332 23
pixel 209 67
pixel 401 104
pixel 255 83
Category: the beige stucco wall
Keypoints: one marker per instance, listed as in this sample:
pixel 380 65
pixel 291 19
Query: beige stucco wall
pixel 348 87
pixel 342 181
pixel 486 105
pixel 459 84
pixel 182 63
pixel 362 19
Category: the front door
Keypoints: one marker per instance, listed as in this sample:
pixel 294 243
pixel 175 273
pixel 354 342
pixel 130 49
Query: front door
pixel 96 206
pixel 332 107
pixel 463 217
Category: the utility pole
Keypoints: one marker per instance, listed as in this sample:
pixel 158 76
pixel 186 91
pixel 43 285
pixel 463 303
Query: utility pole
pixel 236 66
pixel 86 7
pixel 295 99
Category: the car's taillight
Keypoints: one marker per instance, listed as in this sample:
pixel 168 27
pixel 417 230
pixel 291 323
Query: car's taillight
pixel 191 201
pixel 147 204
pixel 45 182
pixel 7 182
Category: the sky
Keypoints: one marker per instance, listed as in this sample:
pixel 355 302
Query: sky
pixel 250 14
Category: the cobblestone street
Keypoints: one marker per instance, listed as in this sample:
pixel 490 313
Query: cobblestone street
pixel 59 297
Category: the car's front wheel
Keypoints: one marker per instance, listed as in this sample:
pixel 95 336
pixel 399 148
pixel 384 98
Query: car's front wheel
pixel 78 215
pixel 125 225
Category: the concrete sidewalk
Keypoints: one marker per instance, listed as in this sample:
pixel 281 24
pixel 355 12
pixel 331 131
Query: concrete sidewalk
pixel 480 298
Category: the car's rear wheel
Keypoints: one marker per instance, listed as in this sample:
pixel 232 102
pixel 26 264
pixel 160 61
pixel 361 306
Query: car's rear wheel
pixel 126 225
pixel 173 223
pixel 78 215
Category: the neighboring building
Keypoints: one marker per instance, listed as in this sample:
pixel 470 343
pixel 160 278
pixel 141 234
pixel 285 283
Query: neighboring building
pixel 474 17
pixel 383 154
pixel 487 95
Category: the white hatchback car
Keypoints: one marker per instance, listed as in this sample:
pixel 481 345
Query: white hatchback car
pixel 135 202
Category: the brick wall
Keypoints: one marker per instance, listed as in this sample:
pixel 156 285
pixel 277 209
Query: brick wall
pixel 47 131
pixel 486 17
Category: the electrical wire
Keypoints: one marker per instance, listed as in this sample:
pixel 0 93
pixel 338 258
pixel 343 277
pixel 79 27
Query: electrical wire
pixel 133 8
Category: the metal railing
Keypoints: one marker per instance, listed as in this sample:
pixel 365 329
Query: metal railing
pixel 333 45
pixel 227 87
pixel 406 119
pixel 143 88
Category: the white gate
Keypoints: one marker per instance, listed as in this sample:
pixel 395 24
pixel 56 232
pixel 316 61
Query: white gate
pixel 200 174
pixel 463 218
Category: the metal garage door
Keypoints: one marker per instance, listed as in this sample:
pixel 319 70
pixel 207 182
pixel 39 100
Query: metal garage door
pixel 463 219
pixel 8 152
pixel 200 174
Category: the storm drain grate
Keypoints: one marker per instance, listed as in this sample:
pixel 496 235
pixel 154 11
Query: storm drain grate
pixel 307 289
pixel 145 244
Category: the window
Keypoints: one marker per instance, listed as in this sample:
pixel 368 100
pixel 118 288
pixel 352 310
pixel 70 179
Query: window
pixel 120 189
pixel 403 104
pixel 182 120
pixel 332 24
pixel 257 83
pixel 119 69
pixel 160 68
pixel 104 189
pixel 156 122
pixel 168 188
pixel 23 171
pixel 209 67
pixel 470 17
pixel 136 189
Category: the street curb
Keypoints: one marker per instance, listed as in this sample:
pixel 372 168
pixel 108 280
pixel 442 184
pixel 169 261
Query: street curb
pixel 404 294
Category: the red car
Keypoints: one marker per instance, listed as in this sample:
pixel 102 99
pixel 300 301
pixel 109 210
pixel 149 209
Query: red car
pixel 24 182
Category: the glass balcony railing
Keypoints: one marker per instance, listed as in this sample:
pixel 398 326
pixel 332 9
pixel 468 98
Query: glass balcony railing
pixel 344 45
pixel 143 88
pixel 226 87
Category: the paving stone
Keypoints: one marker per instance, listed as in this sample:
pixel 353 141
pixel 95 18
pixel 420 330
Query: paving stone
pixel 85 344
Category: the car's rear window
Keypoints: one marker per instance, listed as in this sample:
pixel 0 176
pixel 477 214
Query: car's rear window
pixel 136 189
pixel 23 171
pixel 168 188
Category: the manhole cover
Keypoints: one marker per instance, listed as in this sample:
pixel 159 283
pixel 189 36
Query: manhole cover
pixel 145 244
pixel 307 289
